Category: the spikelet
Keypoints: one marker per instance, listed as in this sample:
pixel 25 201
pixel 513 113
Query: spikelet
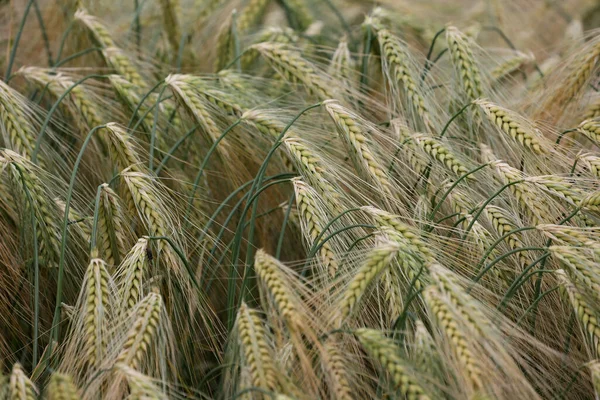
pixel 449 286
pixel 269 271
pixel 440 153
pixel 295 69
pixel 396 63
pixel 442 311
pixel 142 332
pixel 571 236
pixel 385 351
pixel 141 387
pixel 20 387
pixel 586 314
pixel 594 367
pixel 171 23
pixel 336 371
pixel 30 191
pixel 401 232
pixel 314 171
pixel 18 132
pixel 425 354
pixel 593 109
pixel 257 352
pixel 503 225
pixel 182 87
pixel 581 267
pixel 147 205
pixel 98 31
pixel 464 63
pixel 82 107
pixel 118 60
pixel 111 234
pixel 61 387
pixel 378 259
pixel 526 195
pixel 300 13
pixel 121 148
pixel 578 73
pixel 343 65
pixel 510 65
pixel 97 309
pixel 313 222
pixel 512 124
pixel 131 275
pixel 359 145
pixel 591 130
pixel 558 186
pixel 592 163
pixel 409 147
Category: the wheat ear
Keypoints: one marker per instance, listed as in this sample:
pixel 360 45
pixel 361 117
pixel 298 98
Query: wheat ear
pixel 376 261
pixel 385 351
pixel 20 387
pixel 61 387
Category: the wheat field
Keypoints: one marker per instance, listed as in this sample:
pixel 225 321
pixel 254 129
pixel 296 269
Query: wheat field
pixel 300 199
